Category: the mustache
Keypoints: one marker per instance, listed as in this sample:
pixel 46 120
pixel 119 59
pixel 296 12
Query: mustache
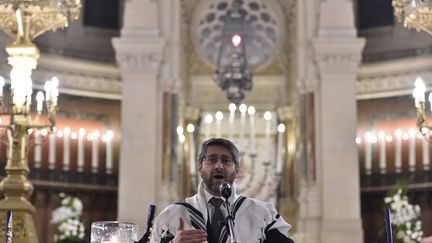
pixel 218 172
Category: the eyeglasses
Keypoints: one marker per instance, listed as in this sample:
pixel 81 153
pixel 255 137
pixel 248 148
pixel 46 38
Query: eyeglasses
pixel 212 160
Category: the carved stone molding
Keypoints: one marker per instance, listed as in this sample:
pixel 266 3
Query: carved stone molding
pixel 139 62
pixel 390 84
pixel 338 55
pixel 77 77
pixel 286 113
pixel 139 55
pixel 191 114
pixel 338 62
pixel 81 84
pixel 392 78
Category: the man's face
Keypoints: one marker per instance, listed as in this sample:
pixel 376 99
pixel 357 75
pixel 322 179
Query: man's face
pixel 215 175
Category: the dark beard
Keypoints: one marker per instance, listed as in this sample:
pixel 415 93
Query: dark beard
pixel 212 187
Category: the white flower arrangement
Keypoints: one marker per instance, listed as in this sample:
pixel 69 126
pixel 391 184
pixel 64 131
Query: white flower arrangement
pixel 69 228
pixel 405 218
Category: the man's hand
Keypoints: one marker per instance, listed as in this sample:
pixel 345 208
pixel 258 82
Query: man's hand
pixel 188 236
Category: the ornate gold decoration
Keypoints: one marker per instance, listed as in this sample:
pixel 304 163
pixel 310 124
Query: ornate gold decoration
pixel 415 14
pixel 38 16
pixel 25 20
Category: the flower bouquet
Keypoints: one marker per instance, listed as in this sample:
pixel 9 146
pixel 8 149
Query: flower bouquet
pixel 405 217
pixel 69 228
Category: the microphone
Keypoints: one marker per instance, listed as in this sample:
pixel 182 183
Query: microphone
pixel 225 190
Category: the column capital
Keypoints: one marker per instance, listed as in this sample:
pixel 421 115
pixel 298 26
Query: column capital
pixel 139 55
pixel 286 113
pixel 338 55
pixel 192 113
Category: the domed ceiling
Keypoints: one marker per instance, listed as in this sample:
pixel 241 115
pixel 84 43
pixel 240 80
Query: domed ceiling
pixel 263 31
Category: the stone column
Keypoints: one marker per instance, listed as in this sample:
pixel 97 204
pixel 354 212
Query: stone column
pixel 139 53
pixel 338 54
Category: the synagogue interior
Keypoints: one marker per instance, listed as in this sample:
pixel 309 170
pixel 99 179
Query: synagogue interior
pixel 105 103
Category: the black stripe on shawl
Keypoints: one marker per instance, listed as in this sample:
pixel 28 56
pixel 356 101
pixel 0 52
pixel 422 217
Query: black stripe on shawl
pixel 269 226
pixel 237 204
pixel 195 215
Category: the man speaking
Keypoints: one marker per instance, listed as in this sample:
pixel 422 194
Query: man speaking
pixel 208 215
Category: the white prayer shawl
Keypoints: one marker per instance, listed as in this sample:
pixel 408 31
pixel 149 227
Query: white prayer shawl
pixel 252 219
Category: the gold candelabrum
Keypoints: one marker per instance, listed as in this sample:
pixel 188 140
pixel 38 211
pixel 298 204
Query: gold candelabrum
pixel 24 20
pixel 415 14
pixel 420 104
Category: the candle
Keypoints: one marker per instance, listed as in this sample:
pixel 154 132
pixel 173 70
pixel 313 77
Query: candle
pixel 232 108
pixel 425 150
pixel 95 151
pixel 52 150
pixel 66 148
pixel 47 88
pixel 251 112
pixel 20 28
pixel 39 100
pixel 38 149
pixel 382 158
pixel 242 109
pixel 411 149
pixel 109 153
pixel 192 167
pixel 81 148
pixel 54 95
pixel 219 117
pixel 267 118
pixel 54 90
pixel 419 91
pixel 280 148
pixel 368 153
pixel 398 151
pixel 208 120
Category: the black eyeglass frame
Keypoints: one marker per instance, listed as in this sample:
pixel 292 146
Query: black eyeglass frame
pixel 225 160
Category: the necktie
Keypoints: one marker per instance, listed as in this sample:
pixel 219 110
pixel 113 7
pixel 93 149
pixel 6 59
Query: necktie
pixel 217 219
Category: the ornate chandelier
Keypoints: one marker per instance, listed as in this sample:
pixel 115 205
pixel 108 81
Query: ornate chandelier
pixel 24 20
pixel 232 73
pixel 415 14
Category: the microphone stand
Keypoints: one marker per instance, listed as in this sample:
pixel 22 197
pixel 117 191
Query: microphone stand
pixel 230 220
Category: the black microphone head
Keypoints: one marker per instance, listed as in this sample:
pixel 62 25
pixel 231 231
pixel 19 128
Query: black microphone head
pixel 225 190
